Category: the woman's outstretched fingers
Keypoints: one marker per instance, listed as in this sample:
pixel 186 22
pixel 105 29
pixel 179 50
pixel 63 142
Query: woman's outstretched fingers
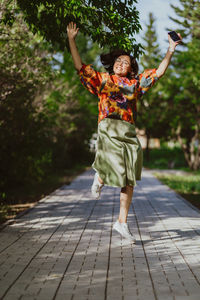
pixel 72 30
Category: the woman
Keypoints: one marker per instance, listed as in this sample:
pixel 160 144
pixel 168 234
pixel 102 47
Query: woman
pixel 118 160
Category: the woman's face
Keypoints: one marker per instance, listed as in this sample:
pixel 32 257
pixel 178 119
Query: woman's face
pixel 122 65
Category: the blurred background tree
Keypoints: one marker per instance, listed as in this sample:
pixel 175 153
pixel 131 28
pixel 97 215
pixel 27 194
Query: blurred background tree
pixel 171 110
pixel 45 121
pixel 150 107
pixel 24 71
pixel 183 86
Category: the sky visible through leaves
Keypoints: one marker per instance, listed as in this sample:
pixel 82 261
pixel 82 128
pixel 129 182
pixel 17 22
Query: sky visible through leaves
pixel 161 10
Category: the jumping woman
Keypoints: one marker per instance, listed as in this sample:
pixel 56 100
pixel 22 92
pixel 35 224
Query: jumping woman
pixel 118 160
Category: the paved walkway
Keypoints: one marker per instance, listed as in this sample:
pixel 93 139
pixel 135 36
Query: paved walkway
pixel 64 248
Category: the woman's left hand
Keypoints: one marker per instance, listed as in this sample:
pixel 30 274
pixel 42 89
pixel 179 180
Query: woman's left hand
pixel 173 44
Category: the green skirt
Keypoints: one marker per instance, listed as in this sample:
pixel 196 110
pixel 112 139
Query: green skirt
pixel 119 156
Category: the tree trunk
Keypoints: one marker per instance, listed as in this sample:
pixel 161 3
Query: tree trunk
pixel 190 149
pixel 147 147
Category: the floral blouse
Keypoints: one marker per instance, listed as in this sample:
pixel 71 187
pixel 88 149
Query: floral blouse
pixel 117 95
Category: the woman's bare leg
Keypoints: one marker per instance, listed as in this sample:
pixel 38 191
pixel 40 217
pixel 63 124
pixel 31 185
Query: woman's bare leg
pixel 121 224
pixel 100 180
pixel 125 201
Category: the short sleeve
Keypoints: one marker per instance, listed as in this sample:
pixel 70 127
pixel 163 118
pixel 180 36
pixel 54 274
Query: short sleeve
pixel 90 78
pixel 147 80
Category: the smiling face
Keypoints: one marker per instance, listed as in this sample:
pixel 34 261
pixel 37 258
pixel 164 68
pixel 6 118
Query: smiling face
pixel 122 65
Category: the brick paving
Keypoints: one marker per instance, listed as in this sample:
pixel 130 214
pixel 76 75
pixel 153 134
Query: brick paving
pixel 65 249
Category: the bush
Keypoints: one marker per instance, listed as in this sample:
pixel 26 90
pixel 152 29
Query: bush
pixel 165 158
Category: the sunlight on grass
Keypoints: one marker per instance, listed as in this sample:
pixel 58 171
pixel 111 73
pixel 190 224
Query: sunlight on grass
pixel 182 184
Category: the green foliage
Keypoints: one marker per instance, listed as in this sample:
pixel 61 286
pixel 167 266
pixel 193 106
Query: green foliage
pixel 24 71
pixel 188 12
pixel 151 55
pixel 45 119
pixel 70 110
pixel 111 23
pixel 165 158
pixel 171 110
pixel 151 108
pixel 21 158
pixel 182 88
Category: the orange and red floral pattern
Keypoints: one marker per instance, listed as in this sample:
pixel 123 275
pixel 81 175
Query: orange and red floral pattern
pixel 117 95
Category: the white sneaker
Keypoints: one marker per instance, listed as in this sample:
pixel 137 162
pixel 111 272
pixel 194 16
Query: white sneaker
pixel 96 187
pixel 124 230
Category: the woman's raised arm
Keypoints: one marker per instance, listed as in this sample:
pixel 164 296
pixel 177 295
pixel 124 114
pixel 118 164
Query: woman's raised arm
pixel 165 62
pixel 72 32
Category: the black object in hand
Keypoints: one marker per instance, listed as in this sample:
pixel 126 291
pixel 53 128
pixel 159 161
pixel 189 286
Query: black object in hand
pixel 174 36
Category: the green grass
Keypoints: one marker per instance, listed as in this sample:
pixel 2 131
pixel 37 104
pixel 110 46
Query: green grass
pixel 188 184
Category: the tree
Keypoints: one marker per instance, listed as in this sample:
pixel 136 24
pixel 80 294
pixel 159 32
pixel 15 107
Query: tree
pixel 108 22
pixel 24 71
pixel 71 111
pixel 184 85
pixel 151 117
pixel 189 16
pixel 45 121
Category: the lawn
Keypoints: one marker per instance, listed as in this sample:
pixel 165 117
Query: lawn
pixel 187 184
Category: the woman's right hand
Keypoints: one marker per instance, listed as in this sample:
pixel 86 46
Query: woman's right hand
pixel 72 30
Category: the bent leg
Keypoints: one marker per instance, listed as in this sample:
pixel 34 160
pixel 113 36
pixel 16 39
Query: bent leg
pixel 125 201
pixel 96 186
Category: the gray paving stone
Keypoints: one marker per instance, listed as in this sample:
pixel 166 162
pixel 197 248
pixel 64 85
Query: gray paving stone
pixel 65 248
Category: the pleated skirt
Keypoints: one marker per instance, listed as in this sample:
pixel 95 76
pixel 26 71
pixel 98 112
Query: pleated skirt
pixel 119 156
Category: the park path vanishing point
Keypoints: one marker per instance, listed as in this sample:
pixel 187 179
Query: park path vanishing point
pixel 65 249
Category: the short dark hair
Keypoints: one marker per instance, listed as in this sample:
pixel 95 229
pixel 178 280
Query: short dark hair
pixel 109 59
